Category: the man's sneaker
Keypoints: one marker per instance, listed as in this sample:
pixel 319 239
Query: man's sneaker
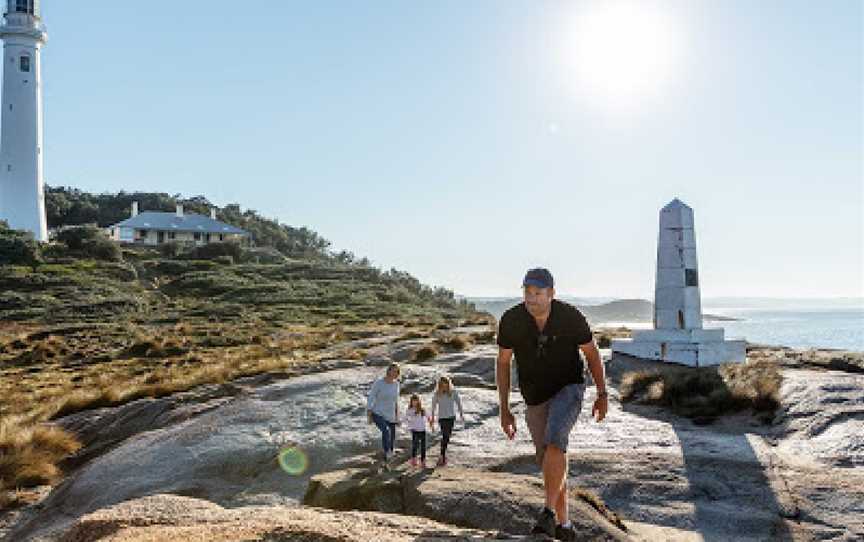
pixel 565 533
pixel 423 464
pixel 545 523
pixel 441 462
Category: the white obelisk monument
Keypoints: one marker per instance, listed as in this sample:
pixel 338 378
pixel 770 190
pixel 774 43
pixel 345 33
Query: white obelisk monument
pixel 678 335
pixel 22 185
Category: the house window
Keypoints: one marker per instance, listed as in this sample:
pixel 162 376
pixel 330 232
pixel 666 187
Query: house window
pixel 172 235
pixel 197 235
pixel 24 63
pixel 207 237
pixel 221 237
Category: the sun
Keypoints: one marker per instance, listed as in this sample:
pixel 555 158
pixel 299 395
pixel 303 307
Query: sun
pixel 622 53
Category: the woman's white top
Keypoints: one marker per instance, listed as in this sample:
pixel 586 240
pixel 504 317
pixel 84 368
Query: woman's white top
pixel 383 399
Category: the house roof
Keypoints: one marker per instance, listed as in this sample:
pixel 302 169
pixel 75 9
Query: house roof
pixel 151 220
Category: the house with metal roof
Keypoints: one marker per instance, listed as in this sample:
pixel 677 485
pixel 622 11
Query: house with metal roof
pixel 155 228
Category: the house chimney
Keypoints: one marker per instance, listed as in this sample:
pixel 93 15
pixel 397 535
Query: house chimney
pixel 213 213
pixel 180 210
pixel 134 208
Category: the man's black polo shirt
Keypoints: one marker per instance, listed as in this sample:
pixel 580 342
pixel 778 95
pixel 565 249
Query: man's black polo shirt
pixel 548 361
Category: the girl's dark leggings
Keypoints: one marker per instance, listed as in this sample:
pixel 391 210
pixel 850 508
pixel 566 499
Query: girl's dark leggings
pixel 418 440
pixel 446 425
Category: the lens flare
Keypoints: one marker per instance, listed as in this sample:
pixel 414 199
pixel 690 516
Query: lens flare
pixel 293 460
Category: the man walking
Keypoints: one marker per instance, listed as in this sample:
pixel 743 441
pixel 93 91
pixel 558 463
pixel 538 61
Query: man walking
pixel 547 336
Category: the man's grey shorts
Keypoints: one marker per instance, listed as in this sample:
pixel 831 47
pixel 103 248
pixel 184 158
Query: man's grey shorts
pixel 552 421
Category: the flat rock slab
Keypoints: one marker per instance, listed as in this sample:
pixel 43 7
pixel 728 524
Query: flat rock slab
pixel 171 517
pixel 457 496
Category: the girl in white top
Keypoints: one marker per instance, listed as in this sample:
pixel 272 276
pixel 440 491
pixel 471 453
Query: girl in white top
pixel 415 419
pixel 446 399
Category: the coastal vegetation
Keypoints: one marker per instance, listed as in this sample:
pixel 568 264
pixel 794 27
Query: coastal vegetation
pixel 705 393
pixel 87 323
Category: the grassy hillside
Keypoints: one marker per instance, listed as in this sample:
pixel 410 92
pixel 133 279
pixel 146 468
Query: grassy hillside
pixel 77 324
pixel 84 324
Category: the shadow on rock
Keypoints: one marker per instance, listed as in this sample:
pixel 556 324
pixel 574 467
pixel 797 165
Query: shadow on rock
pixel 730 484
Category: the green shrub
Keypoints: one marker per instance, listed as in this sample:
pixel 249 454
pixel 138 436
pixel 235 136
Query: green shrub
pixel 89 241
pixel 18 248
pixel 171 249
pixel 103 249
pixel 263 255
pixel 211 251
pixel 75 237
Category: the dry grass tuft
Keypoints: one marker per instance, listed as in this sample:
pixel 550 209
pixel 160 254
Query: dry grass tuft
pixel 29 455
pixel 456 342
pixel 412 335
pixel 707 392
pixel 164 382
pixel 426 352
pixel 484 337
pixel 153 347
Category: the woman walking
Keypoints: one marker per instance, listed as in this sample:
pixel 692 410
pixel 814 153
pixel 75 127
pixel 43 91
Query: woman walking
pixel 446 400
pixel 382 407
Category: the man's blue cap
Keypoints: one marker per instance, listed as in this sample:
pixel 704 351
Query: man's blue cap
pixel 539 277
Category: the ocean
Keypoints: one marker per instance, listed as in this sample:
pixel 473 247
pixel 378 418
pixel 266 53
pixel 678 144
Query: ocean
pixel 796 323
pixel 796 327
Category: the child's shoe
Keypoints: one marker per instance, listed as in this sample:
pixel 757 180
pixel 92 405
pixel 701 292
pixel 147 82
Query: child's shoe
pixel 413 461
pixel 423 464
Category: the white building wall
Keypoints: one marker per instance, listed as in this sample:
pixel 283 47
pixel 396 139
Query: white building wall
pixel 151 237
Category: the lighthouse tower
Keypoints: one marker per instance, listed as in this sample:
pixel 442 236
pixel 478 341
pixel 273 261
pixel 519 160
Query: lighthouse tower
pixel 22 191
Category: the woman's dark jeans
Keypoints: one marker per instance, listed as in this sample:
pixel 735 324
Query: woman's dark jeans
pixel 388 432
pixel 446 425
pixel 418 440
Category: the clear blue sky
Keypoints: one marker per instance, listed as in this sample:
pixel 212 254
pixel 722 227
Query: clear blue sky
pixel 459 140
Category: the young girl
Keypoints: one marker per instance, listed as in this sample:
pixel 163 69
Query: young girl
pixel 448 399
pixel 415 419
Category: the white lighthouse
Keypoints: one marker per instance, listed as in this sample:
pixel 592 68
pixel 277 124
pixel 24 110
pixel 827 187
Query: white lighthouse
pixel 678 335
pixel 22 190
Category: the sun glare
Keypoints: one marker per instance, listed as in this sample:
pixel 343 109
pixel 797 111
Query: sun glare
pixel 622 53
